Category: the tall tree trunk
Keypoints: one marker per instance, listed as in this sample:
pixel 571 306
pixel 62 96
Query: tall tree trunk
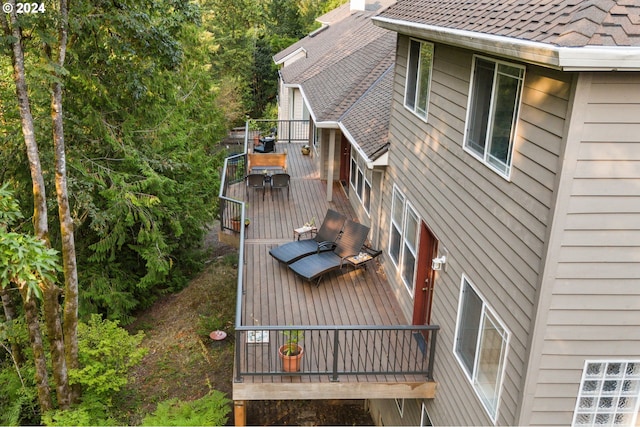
pixel 40 220
pixel 51 309
pixel 64 210
pixel 42 378
pixel 10 314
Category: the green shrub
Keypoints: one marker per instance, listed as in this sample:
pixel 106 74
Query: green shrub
pixel 91 412
pixel 211 410
pixel 18 402
pixel 106 353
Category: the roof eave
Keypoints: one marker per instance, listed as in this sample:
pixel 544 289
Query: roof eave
pixel 289 56
pixel 589 58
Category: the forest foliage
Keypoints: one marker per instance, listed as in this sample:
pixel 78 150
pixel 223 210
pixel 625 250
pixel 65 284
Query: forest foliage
pixel 149 89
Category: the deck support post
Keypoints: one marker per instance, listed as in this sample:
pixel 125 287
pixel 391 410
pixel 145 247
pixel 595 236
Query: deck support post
pixel 240 412
pixel 331 161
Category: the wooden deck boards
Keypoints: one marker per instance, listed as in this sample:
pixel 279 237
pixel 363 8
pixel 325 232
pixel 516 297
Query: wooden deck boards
pixel 276 296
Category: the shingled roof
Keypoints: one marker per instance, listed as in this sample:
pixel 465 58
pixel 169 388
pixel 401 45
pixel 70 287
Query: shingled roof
pixel 368 120
pixel 569 23
pixel 342 62
pixel 601 27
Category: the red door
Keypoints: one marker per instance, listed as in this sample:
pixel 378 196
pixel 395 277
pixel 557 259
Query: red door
pixel 423 298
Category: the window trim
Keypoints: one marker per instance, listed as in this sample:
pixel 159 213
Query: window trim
pixel 485 158
pixel 402 228
pixel 492 412
pixel 418 70
pixel 358 185
pixel 392 224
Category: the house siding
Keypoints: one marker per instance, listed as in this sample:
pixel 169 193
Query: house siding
pixel 592 308
pixel 494 230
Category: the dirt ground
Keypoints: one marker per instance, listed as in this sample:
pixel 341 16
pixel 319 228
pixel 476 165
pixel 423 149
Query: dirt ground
pixel 184 363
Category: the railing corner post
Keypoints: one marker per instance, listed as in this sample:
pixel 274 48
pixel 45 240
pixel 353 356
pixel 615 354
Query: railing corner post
pixel 432 353
pixel 238 349
pixel 336 343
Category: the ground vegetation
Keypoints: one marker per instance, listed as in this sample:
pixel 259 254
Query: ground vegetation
pixel 111 115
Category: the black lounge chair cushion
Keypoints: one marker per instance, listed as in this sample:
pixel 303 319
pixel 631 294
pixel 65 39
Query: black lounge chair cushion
pixel 317 265
pixel 267 145
pixel 324 240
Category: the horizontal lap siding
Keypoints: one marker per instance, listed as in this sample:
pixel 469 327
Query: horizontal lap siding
pixel 493 229
pixel 595 309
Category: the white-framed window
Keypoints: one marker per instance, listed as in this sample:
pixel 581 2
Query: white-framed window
pixel 397 221
pixel 400 406
pixel 360 179
pixel 609 393
pixel 403 238
pixel 492 113
pixel 481 346
pixel 418 83
pixel 424 417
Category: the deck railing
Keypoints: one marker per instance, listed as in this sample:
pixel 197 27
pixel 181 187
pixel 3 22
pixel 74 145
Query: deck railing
pixel 333 350
pixel 336 351
pixel 285 130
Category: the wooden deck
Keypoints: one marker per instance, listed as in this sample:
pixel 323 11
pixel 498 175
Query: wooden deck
pixel 275 296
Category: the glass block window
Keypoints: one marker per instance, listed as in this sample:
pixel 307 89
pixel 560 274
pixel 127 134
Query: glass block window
pixel 609 394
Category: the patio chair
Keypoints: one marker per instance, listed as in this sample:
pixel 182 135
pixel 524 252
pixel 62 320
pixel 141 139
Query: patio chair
pixel 255 181
pixel 314 267
pixel 323 241
pixel 280 181
pixel 267 145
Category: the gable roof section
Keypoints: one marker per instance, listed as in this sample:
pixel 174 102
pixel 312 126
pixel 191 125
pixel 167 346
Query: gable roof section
pixel 311 42
pixel 569 34
pixel 342 63
pixel 367 122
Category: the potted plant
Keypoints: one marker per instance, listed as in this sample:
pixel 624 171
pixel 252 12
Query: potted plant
pixel 291 351
pixel 235 223
pixel 305 150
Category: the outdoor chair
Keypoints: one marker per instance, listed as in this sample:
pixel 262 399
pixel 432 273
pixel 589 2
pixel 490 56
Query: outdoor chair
pixel 280 181
pixel 267 145
pixel 324 240
pixel 314 267
pixel 255 181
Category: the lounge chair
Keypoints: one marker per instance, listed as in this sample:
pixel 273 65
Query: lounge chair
pixel 314 267
pixel 324 240
pixel 267 145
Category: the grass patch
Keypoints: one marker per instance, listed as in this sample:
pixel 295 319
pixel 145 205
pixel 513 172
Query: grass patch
pixel 182 362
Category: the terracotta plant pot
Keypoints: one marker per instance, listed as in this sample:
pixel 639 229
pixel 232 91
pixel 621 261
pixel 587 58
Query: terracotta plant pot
pixel 235 224
pixel 291 363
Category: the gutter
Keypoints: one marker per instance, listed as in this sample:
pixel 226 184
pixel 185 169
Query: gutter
pixel 322 125
pixel 382 160
pixel 586 58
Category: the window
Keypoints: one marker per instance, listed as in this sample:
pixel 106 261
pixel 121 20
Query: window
pixel 419 65
pixel 496 89
pixel 360 182
pixel 609 394
pixel 397 217
pixel 403 238
pixel 481 346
